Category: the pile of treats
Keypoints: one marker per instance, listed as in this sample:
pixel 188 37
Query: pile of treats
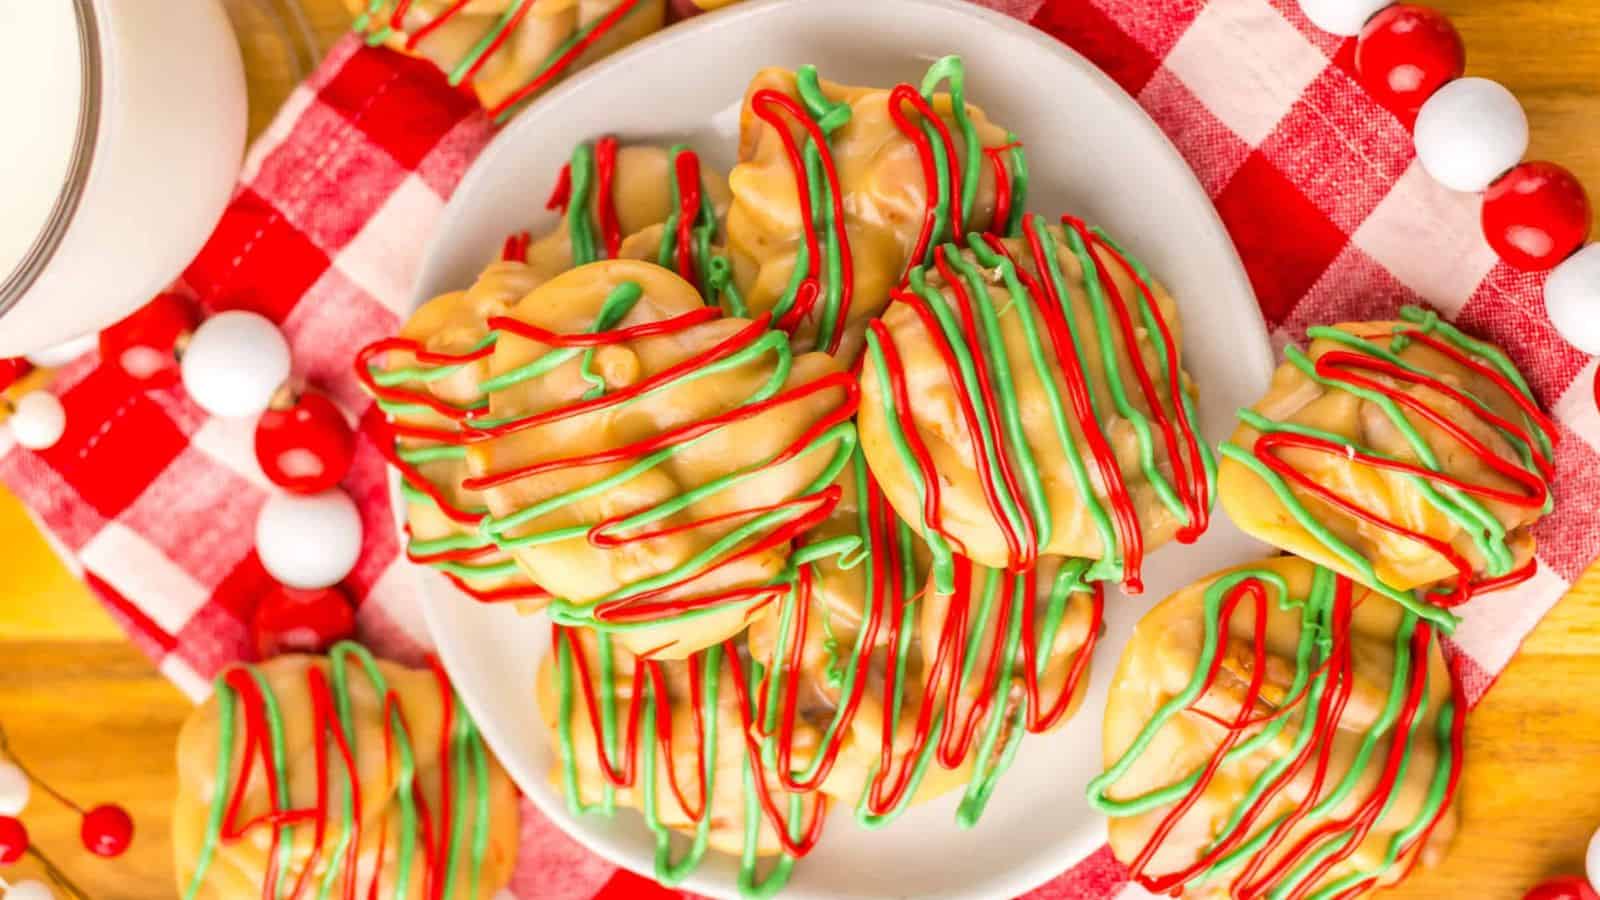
pixel 819 469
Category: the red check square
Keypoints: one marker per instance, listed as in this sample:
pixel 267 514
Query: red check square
pixel 51 498
pixel 117 441
pixel 1091 32
pixel 444 168
pixel 255 260
pixel 1153 26
pixel 404 105
pixel 327 179
pixel 1286 242
pixel 368 485
pixel 337 319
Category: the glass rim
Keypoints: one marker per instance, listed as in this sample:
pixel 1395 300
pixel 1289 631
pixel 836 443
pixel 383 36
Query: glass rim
pixel 32 264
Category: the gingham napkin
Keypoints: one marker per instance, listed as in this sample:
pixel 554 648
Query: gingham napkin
pixel 155 503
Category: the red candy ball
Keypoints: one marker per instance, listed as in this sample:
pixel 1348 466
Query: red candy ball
pixel 1567 887
pixel 1535 216
pixel 306 448
pixel 12 370
pixel 107 830
pixel 1407 52
pixel 144 345
pixel 290 620
pixel 13 840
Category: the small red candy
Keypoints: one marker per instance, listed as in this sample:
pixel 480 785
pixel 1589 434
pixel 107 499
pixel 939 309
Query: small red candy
pixel 1407 52
pixel 13 840
pixel 1567 887
pixel 1535 216
pixel 12 370
pixel 144 345
pixel 291 620
pixel 107 830
pixel 307 448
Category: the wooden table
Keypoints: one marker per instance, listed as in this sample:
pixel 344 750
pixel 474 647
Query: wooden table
pixel 87 711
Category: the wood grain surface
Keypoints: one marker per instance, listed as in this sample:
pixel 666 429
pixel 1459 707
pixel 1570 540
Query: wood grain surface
pixel 93 717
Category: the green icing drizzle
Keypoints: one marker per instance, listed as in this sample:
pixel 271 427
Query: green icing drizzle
pixel 468 751
pixel 990 354
pixel 654 707
pixel 1471 515
pixel 1310 689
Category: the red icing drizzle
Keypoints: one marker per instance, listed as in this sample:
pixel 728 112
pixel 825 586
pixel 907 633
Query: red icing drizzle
pixel 905 93
pixel 887 597
pixel 686 169
pixel 396 21
pixel 1251 883
pixel 605 161
pixel 1002 184
pixel 561 194
pixel 1188 466
pixel 326 726
pixel 623 773
pixel 424 356
pixel 1000 480
pixel 386 446
pixel 502 33
pixel 813 508
pixel 1075 375
pixel 771 106
pixel 557 68
pixel 516 247
pixel 1344 367
pixel 919 449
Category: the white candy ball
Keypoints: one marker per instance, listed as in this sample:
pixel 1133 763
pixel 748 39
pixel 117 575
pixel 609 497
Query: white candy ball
pixel 38 420
pixel 1342 17
pixel 1469 133
pixel 29 890
pixel 234 363
pixel 1572 299
pixel 14 790
pixel 309 542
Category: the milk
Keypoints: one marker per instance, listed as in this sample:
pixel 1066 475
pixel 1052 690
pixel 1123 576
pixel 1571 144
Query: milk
pixel 122 126
pixel 41 92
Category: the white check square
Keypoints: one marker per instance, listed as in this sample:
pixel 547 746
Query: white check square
pixel 383 258
pixel 143 574
pixel 1247 63
pixel 232 442
pixel 1429 238
pixel 1494 625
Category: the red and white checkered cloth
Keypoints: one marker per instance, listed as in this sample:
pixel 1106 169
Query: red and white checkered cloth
pixel 155 503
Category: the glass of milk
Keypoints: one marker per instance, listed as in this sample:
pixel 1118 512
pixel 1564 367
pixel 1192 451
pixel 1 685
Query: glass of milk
pixel 123 123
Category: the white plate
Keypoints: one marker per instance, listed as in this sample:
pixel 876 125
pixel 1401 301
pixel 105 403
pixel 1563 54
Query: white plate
pixel 1094 153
